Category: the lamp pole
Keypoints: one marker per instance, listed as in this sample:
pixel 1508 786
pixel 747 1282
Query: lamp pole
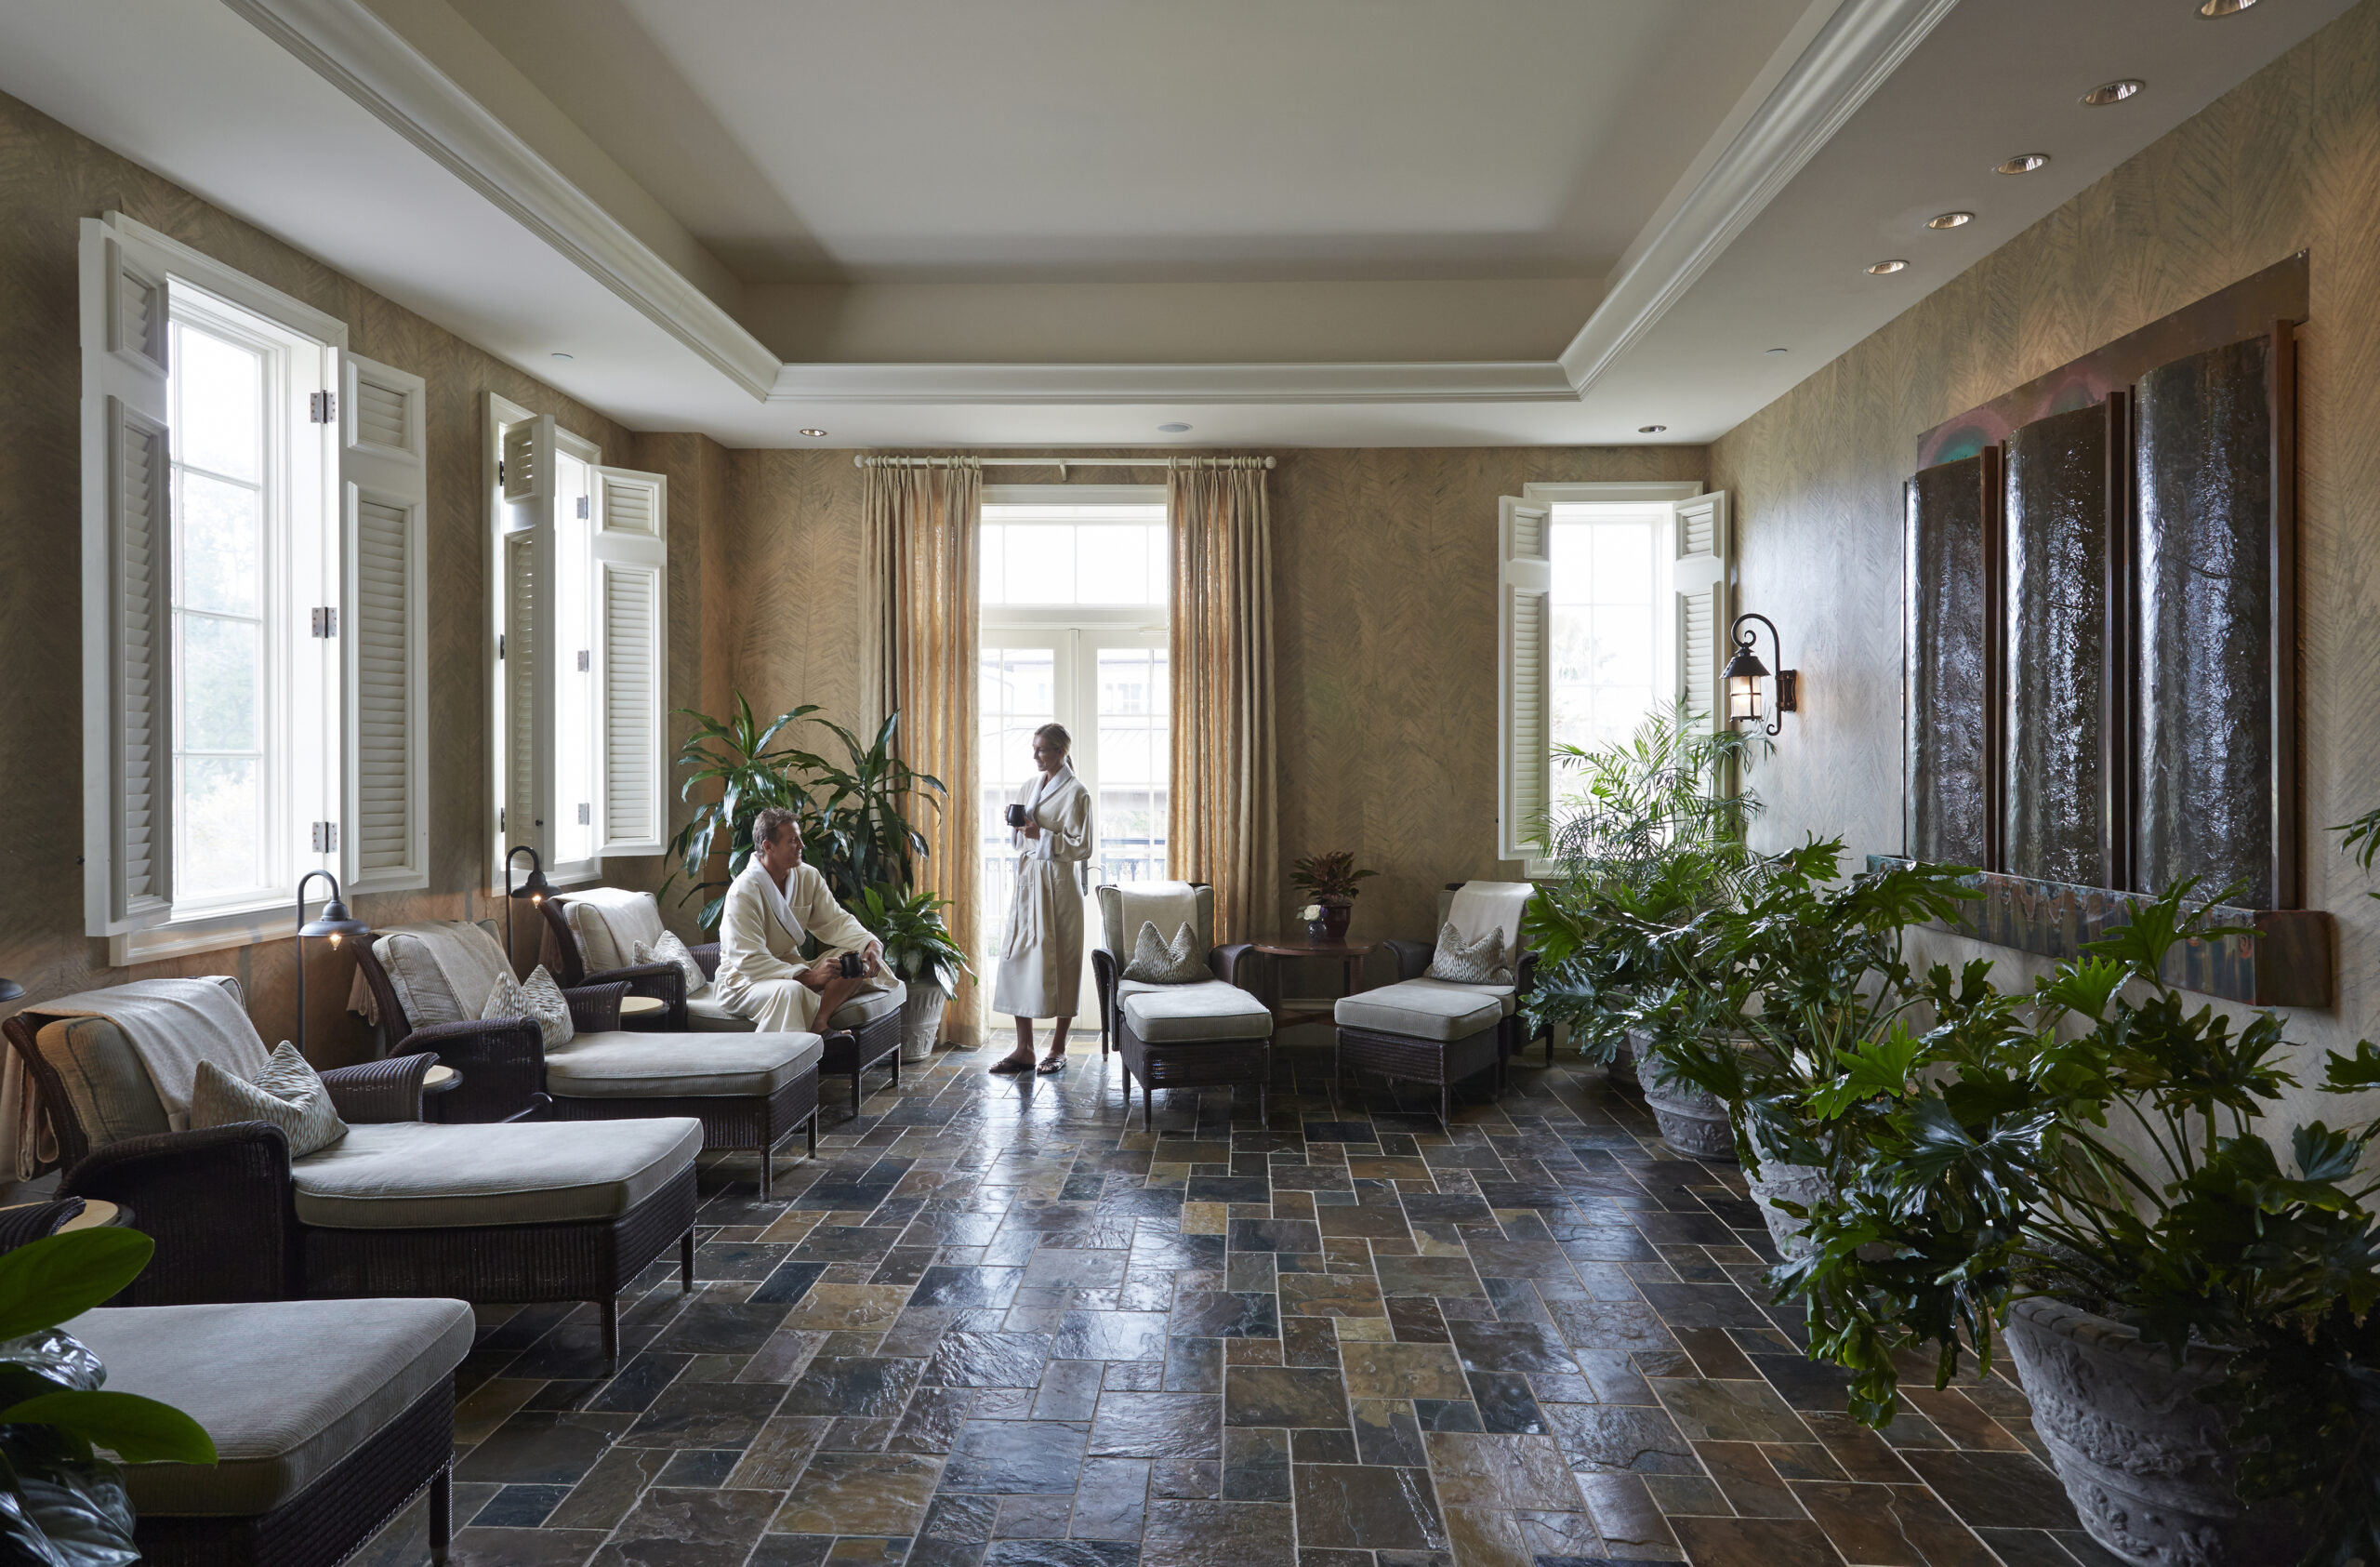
pixel 535 889
pixel 333 922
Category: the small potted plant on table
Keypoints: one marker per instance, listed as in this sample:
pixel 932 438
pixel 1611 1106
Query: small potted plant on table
pixel 1329 884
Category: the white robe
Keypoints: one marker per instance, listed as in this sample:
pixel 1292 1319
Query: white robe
pixel 760 932
pixel 1040 957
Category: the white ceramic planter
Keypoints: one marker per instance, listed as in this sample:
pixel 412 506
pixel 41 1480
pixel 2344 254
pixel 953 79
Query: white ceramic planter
pixel 1692 1122
pixel 921 1023
pixel 1805 1184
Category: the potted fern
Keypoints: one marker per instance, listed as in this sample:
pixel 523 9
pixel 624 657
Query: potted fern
pixel 918 948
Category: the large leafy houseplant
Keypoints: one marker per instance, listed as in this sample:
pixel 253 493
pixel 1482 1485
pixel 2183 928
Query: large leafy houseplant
pixel 61 1504
pixel 2100 1144
pixel 917 944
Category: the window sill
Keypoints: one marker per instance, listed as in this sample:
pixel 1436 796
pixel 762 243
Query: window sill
pixel 210 933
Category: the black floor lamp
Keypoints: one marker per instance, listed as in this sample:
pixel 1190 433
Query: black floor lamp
pixel 535 889
pixel 334 922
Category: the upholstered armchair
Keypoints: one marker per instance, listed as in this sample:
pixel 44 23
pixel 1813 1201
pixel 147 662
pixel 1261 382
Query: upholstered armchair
pixel 1202 1033
pixel 1413 960
pixel 590 938
pixel 1436 1030
pixel 399 1206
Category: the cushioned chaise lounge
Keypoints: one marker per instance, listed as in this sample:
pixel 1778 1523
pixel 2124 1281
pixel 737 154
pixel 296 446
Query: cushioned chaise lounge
pixel 1439 1031
pixel 594 934
pixel 509 1213
pixel 750 1091
pixel 1199 1033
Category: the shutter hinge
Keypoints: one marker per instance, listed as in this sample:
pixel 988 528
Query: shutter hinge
pixel 326 622
pixel 326 837
pixel 586 815
pixel 499 647
pixel 322 407
pixel 585 661
pixel 499 819
pixel 499 471
pixel 582 506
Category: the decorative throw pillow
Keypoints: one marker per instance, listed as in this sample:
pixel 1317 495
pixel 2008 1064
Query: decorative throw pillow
pixel 1157 962
pixel 1458 962
pixel 286 1093
pixel 541 1000
pixel 670 950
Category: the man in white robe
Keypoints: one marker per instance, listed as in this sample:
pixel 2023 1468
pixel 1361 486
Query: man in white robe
pixel 777 902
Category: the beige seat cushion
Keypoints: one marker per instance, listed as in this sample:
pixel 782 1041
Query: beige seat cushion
pixel 287 1388
pixel 609 924
pixel 869 1005
pixel 708 1014
pixel 1422 1009
pixel 1503 993
pixel 1182 1014
pixel 441 970
pixel 412 1175
pixel 643 1066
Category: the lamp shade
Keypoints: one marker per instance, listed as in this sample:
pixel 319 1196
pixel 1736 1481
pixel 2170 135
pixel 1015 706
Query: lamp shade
pixel 1743 675
pixel 10 990
pixel 535 888
pixel 335 922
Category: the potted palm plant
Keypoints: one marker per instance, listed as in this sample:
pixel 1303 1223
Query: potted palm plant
pixel 918 948
pixel 1330 883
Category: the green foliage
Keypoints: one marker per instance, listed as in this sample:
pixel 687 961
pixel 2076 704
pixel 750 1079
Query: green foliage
pixel 854 826
pixel 61 1504
pixel 1329 878
pixel 917 943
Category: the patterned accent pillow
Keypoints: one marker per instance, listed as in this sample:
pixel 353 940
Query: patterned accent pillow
pixel 287 1094
pixel 541 1000
pixel 670 950
pixel 1458 962
pixel 1157 962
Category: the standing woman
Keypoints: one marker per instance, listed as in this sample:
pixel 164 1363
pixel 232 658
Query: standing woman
pixel 1040 967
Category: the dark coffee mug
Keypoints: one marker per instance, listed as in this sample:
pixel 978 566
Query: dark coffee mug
pixel 854 965
pixel 1017 816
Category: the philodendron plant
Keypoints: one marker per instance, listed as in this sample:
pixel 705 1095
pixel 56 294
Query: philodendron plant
pixel 2101 1144
pixel 917 944
pixel 61 1504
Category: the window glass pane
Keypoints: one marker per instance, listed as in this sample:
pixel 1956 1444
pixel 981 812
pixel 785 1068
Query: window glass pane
pixel 1132 765
pixel 1018 696
pixel 223 681
pixel 1606 619
pixel 1040 565
pixel 220 826
pixel 991 564
pixel 1093 555
pixel 221 546
pixel 1112 564
pixel 219 425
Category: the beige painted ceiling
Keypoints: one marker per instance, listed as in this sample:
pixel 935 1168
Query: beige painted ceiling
pixel 1147 139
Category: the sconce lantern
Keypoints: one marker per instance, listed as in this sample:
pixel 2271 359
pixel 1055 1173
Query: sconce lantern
pixel 1745 672
pixel 535 889
pixel 333 922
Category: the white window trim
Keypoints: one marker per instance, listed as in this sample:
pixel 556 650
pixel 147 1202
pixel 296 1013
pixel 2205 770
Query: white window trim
pixel 167 258
pixel 1593 494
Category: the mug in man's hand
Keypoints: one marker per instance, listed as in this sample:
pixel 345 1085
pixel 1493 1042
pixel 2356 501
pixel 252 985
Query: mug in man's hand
pixel 853 966
pixel 1017 816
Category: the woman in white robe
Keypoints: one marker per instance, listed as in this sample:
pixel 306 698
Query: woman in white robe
pixel 771 908
pixel 1040 957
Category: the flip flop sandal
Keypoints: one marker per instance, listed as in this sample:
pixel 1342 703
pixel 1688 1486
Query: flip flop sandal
pixel 1009 1065
pixel 1051 1067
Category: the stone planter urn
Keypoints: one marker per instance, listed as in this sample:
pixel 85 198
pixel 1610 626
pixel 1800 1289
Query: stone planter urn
pixel 2147 1465
pixel 921 1023
pixel 1805 1184
pixel 1623 1060
pixel 1692 1122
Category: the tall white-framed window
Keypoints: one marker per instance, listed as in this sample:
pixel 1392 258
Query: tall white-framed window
pixel 1612 603
pixel 1074 628
pixel 579 634
pixel 253 534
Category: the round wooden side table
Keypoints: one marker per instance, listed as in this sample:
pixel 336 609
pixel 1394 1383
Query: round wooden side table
pixel 635 1010
pixel 1351 956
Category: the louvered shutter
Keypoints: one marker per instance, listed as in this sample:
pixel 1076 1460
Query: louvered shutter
pixel 384 489
pixel 631 559
pixel 1699 581
pixel 1524 677
pixel 128 583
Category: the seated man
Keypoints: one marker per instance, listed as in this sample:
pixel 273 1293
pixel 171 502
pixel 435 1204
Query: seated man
pixel 771 908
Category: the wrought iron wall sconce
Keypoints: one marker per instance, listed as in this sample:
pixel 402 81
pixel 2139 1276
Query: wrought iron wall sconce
pixel 333 922
pixel 535 889
pixel 1745 672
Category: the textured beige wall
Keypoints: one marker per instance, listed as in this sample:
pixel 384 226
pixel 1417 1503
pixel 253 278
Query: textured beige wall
pixel 49 179
pixel 2290 160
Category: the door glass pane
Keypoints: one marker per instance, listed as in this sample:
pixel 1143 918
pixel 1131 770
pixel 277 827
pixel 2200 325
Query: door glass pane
pixel 1131 785
pixel 1019 694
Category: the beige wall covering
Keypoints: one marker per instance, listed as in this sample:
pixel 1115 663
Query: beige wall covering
pixel 2287 161
pixel 49 179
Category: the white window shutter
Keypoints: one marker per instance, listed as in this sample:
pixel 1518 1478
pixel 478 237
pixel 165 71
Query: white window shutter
pixel 1524 677
pixel 1699 553
pixel 528 458
pixel 384 491
pixel 128 586
pixel 631 558
pixel 530 638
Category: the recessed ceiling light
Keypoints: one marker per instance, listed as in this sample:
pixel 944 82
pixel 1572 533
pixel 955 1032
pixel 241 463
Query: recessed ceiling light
pixel 2223 8
pixel 814 433
pixel 2023 162
pixel 2113 92
pixel 1650 429
pixel 1773 350
pixel 1174 428
pixel 1885 269
pixel 559 355
pixel 1949 220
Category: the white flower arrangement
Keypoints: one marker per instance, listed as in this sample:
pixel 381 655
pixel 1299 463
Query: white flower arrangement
pixel 1311 911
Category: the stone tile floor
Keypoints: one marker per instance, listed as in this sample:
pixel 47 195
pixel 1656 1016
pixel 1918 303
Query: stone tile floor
pixel 995 1324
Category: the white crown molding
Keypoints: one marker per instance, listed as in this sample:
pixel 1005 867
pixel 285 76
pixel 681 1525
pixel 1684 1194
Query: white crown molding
pixel 1861 45
pixel 1130 384
pixel 369 61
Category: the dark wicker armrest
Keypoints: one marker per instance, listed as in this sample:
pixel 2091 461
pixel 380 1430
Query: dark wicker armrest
pixel 379 1090
pixel 502 1060
pixel 35 1221
pixel 1411 957
pixel 1225 961
pixel 664 982
pixel 707 955
pixel 596 1008
pixel 217 1203
pixel 1102 976
pixel 1525 975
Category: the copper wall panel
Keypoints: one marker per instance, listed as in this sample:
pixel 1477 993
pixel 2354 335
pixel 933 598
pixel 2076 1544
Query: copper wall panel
pixel 1951 720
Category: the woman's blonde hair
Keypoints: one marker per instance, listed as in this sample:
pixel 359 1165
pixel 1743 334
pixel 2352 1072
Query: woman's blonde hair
pixel 1056 734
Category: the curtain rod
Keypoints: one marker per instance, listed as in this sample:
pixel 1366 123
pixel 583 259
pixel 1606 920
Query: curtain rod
pixel 1061 464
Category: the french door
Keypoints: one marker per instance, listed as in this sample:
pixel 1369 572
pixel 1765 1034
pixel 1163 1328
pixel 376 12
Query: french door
pixel 1106 681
